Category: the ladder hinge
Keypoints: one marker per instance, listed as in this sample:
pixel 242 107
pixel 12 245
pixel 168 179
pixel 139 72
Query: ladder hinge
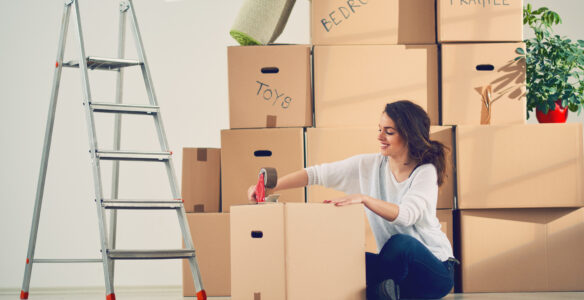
pixel 124 6
pixel 68 2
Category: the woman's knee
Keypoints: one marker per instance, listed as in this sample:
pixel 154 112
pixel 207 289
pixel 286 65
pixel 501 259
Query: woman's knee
pixel 398 245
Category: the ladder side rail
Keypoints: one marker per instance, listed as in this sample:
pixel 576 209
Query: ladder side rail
pixel 187 238
pixel 117 132
pixel 94 159
pixel 153 101
pixel 46 151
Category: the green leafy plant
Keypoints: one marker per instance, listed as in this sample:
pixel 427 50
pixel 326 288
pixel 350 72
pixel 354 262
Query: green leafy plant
pixel 554 64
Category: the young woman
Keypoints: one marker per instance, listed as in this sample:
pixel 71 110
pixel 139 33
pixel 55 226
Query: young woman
pixel 399 189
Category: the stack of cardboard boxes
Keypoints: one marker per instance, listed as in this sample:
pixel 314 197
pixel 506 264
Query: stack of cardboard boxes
pixel 368 54
pixel 519 226
pixel 515 189
pixel 201 192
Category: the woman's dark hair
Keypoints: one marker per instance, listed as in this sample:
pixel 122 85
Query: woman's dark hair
pixel 413 124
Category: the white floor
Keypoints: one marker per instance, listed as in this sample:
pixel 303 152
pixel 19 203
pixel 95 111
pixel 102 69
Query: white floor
pixel 175 294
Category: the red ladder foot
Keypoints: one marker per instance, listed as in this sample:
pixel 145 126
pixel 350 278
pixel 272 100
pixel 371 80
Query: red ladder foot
pixel 202 295
pixel 23 295
pixel 111 296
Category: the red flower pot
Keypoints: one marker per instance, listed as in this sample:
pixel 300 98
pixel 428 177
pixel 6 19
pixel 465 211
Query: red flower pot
pixel 558 115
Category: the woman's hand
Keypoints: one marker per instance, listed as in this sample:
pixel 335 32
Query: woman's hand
pixel 348 200
pixel 251 194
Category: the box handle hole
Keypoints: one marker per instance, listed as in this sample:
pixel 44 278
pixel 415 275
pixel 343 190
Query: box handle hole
pixel 270 70
pixel 485 67
pixel 262 153
pixel 257 234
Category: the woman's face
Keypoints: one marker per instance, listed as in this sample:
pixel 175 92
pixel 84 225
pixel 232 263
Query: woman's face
pixel 392 143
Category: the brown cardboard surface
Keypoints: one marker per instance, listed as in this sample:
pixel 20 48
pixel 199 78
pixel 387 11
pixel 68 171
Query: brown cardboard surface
pixel 325 145
pixel 352 84
pixel 241 153
pixel 201 168
pixel 210 233
pixel 373 22
pixel 304 250
pixel 259 97
pixel 513 166
pixel 473 95
pixel 522 250
pixel 478 21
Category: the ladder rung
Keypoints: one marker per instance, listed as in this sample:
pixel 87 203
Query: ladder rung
pixel 141 204
pixel 124 108
pixel 150 254
pixel 67 260
pixel 101 63
pixel 132 155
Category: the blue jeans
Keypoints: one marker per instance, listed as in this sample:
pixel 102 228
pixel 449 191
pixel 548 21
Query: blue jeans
pixel 417 272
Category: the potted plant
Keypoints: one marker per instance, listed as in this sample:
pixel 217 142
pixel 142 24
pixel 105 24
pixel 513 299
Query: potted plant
pixel 554 68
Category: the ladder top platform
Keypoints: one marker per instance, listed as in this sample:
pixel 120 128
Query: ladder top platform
pixel 101 63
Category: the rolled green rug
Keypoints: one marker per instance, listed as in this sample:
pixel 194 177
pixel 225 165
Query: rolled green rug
pixel 260 22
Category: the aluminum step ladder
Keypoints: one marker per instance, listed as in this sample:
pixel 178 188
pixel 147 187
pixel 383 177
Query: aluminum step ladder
pixel 109 253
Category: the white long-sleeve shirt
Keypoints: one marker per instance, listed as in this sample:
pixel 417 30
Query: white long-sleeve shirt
pixel 416 197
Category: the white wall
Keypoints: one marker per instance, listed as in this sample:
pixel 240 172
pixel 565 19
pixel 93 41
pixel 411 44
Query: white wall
pixel 185 43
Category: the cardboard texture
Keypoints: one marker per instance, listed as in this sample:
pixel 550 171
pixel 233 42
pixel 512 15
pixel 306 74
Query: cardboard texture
pixel 480 20
pixel 210 233
pixel 325 145
pixel 201 179
pixel 297 251
pixel 373 22
pixel 269 86
pixel 483 84
pixel 514 166
pixel 352 84
pixel 245 151
pixel 522 250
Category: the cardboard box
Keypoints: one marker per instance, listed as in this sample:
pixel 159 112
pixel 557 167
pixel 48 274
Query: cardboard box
pixel 201 179
pixel 352 84
pixel 210 233
pixel 373 22
pixel 446 222
pixel 325 145
pixel 297 251
pixel 483 84
pixel 269 86
pixel 514 166
pixel 480 20
pixel 245 151
pixel 522 250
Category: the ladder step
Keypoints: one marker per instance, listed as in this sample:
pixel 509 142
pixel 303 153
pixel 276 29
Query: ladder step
pixel 141 204
pixel 150 254
pixel 67 260
pixel 124 108
pixel 101 63
pixel 133 155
